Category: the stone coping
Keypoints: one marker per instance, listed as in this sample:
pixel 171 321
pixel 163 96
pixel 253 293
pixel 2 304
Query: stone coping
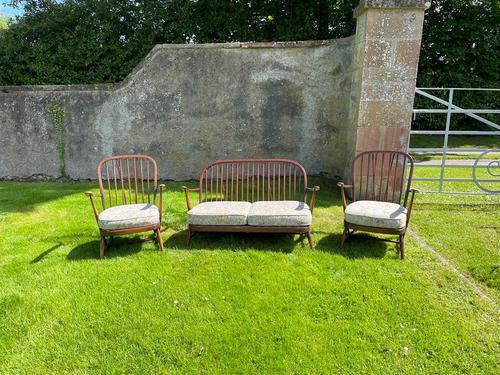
pixel 389 4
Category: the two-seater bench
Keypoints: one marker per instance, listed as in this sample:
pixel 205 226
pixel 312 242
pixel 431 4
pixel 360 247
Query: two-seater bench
pixel 252 196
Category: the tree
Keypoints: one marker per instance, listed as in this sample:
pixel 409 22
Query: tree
pixel 460 48
pixel 3 23
pixel 460 43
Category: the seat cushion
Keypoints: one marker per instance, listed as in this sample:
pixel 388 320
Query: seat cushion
pixel 279 213
pixel 129 216
pixel 219 213
pixel 376 214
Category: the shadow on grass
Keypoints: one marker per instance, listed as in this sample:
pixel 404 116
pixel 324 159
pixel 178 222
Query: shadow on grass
pixel 119 247
pixel 25 196
pixel 45 253
pixel 419 158
pixel 282 243
pixel 464 207
pixel 359 245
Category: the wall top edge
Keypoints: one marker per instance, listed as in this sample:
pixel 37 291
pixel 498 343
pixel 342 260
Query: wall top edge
pixel 364 5
pixel 286 44
pixel 105 87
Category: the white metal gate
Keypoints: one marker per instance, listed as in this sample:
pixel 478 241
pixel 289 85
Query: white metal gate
pixel 477 162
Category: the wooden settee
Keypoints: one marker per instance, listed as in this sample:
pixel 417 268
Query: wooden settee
pixel 252 196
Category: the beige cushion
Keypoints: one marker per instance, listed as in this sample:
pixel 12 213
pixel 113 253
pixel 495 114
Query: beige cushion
pixel 219 213
pixel 129 216
pixel 279 213
pixel 376 214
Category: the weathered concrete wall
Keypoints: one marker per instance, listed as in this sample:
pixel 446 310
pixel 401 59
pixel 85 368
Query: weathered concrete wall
pixel 187 105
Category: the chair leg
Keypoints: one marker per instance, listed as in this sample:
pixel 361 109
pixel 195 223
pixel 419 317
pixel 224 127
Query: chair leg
pixel 188 238
pixel 158 237
pixel 401 246
pixel 345 235
pixel 309 239
pixel 102 247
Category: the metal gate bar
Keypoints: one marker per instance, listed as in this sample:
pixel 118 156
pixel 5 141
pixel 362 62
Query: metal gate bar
pixel 445 150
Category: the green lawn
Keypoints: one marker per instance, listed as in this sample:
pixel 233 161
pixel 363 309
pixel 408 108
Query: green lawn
pixel 463 228
pixel 455 186
pixel 243 303
pixel 455 141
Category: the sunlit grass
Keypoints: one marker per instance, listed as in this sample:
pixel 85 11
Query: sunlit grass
pixel 457 186
pixel 241 303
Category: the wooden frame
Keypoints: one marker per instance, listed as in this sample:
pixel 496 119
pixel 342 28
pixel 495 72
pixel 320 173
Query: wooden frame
pixel 252 180
pixel 380 176
pixel 129 179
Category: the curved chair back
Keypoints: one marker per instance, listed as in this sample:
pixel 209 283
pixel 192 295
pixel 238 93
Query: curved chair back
pixel 382 176
pixel 253 180
pixel 127 179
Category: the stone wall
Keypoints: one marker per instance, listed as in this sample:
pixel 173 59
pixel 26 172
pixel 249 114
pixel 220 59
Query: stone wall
pixel 186 105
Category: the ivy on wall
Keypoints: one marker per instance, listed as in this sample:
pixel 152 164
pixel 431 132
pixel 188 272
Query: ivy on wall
pixel 56 112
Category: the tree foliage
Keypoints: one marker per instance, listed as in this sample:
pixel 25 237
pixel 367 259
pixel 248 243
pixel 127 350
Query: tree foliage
pixel 460 44
pixel 460 48
pixel 3 23
pixel 90 41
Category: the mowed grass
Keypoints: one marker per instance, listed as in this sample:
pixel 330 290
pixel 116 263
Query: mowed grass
pixel 235 303
pixel 457 186
pixel 455 141
pixel 463 228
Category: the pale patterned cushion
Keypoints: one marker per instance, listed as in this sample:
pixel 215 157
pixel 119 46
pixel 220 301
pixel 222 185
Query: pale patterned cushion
pixel 129 216
pixel 279 213
pixel 376 214
pixel 219 213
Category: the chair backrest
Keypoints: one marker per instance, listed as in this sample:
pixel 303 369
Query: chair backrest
pixel 382 176
pixel 253 180
pixel 127 179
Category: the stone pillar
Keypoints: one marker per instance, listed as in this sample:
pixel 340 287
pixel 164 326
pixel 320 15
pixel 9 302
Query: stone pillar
pixel 386 52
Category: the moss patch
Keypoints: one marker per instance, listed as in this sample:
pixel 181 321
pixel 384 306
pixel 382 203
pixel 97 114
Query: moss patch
pixel 56 112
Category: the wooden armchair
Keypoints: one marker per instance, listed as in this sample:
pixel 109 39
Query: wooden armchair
pixel 128 191
pixel 381 186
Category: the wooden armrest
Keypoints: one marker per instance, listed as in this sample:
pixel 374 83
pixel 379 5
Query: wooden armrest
pixel 91 197
pixel 186 193
pixel 90 194
pixel 342 187
pixel 161 187
pixel 412 191
pixel 313 189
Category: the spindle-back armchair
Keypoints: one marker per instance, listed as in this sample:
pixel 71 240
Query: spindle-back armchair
pixel 380 189
pixel 256 180
pixel 129 192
